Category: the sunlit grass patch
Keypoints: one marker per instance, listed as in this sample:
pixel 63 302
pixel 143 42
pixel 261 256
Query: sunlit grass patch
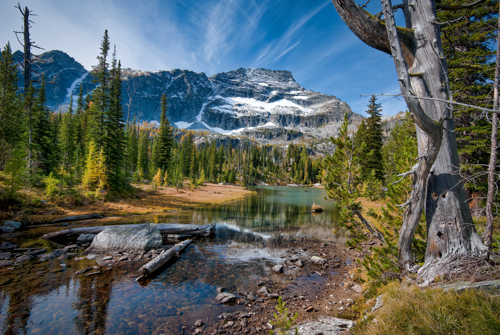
pixel 412 310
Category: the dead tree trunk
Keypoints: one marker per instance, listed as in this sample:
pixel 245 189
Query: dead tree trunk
pixel 488 234
pixel 422 72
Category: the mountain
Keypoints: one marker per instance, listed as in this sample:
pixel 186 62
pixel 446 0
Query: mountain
pixel 264 104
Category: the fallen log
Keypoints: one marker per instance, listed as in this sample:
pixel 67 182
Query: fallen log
pixel 164 228
pixel 79 217
pixel 166 255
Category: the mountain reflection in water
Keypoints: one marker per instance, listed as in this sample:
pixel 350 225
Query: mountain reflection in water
pixel 252 235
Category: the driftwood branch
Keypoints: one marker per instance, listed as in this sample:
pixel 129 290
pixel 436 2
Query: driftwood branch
pixel 162 259
pixel 164 228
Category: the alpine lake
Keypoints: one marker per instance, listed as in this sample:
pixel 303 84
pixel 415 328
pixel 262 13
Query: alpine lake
pixel 252 235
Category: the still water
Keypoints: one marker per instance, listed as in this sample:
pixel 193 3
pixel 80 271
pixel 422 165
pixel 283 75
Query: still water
pixel 252 235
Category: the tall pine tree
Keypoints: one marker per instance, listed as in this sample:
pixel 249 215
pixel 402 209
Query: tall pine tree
pixel 373 138
pixel 163 153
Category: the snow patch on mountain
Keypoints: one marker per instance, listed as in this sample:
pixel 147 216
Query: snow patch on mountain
pixel 72 88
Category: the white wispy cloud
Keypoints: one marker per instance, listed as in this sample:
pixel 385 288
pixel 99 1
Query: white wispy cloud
pixel 288 41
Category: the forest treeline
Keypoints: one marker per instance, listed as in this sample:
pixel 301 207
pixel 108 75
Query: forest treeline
pixel 89 147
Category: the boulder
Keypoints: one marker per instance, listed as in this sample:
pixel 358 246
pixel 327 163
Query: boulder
pixel 86 238
pixel 324 325
pixel 143 237
pixel 14 224
pixel 225 298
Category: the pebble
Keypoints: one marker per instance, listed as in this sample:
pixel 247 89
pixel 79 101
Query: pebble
pixel 198 323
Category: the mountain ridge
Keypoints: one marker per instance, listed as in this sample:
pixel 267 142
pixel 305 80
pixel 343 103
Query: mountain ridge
pixel 241 101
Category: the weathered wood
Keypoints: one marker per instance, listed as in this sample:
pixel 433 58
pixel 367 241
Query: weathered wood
pixel 418 54
pixel 166 255
pixel 164 228
pixel 79 217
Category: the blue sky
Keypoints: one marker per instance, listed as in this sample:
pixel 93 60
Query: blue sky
pixel 306 37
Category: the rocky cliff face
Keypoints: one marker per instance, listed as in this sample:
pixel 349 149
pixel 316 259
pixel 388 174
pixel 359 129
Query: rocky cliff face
pixel 253 102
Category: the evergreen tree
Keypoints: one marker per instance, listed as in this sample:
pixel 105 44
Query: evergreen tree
pixel 66 139
pixel 132 146
pixel 94 178
pixel 143 155
pixel 114 145
pixel 101 95
pixel 165 138
pixel 373 139
pixel 41 133
pixel 11 124
pixel 343 181
pixel 469 40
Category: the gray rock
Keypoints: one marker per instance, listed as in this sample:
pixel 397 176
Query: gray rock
pixel 5 262
pixel 86 238
pixel 278 268
pixel 70 247
pixel 263 291
pixel 198 323
pixel 14 224
pixel 107 258
pixel 5 255
pixel 46 257
pixel 7 229
pixel 323 325
pixel 318 260
pixel 220 290
pixel 7 246
pixel 24 258
pixel 357 288
pixel 225 297
pixel 491 286
pixel 142 237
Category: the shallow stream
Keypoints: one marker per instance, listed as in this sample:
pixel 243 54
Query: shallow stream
pixel 252 235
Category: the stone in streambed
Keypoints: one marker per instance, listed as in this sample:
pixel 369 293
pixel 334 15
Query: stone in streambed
pixel 5 255
pixel 144 237
pixel 5 262
pixel 86 238
pixel 278 268
pixel 225 297
pixel 318 260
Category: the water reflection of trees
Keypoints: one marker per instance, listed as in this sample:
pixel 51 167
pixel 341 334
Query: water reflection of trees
pixel 93 296
pixel 21 286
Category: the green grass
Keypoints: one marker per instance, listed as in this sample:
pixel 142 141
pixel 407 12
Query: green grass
pixel 412 310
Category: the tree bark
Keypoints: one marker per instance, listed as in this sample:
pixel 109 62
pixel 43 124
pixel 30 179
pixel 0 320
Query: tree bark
pixel 164 228
pixel 422 72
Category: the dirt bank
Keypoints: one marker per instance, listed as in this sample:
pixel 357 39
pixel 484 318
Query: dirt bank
pixel 143 201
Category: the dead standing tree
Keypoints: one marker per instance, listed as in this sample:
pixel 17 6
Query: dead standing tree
pixel 26 65
pixel 422 72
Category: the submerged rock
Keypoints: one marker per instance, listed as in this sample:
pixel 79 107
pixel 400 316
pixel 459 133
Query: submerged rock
pixel 144 237
pixel 14 224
